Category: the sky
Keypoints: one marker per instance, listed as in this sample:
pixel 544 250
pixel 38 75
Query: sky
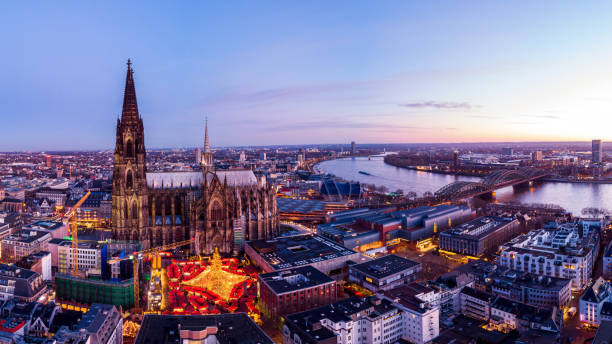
pixel 305 72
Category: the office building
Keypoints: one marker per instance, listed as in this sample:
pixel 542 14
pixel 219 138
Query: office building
pixel 479 236
pixel 385 273
pixel 198 156
pixel 508 151
pixel 295 290
pixel 596 152
pixel 536 156
pixel 285 253
pixel 566 252
pixel 421 314
pixel 91 259
pixel 24 243
pixel 220 328
pixel 355 320
pixel 39 262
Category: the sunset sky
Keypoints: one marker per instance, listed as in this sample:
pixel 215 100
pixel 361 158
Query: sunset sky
pixel 306 72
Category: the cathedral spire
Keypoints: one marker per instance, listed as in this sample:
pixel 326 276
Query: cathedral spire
pixel 129 114
pixel 206 140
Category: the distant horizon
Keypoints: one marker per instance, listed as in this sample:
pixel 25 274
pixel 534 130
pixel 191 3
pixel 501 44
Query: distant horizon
pixel 604 143
pixel 423 72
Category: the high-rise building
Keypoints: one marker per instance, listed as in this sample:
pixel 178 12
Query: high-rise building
pixel 507 151
pixel 596 151
pixel 353 148
pixel 536 155
pixel 262 156
pixel 198 156
pixel 242 157
pixel 48 160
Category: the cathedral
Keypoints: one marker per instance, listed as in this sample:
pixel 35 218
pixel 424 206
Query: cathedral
pixel 212 209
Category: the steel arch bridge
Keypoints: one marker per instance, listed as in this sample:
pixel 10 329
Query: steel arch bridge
pixel 462 189
pixel 489 183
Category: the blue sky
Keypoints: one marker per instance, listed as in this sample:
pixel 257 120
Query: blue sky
pixel 306 72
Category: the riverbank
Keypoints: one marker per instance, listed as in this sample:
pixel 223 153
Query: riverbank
pixel 573 181
pixel 571 196
pixel 450 173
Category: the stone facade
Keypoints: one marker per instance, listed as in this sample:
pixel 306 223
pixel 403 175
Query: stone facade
pixel 211 208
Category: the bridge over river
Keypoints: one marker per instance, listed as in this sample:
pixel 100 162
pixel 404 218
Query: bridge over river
pixel 488 184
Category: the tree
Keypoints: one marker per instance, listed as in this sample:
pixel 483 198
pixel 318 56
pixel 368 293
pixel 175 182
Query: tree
pixel 411 195
pixel 399 192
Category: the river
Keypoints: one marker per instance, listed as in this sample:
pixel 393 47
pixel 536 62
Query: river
pixel 571 196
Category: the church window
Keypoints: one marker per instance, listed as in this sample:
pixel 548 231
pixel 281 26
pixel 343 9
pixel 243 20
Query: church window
pixel 129 183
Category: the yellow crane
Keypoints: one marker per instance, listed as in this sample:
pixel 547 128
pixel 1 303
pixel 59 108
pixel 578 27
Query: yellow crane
pixel 137 256
pixel 71 216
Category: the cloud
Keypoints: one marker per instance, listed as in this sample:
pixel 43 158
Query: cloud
pixel 439 105
pixel 541 116
pixel 287 92
pixel 348 125
pixel 484 116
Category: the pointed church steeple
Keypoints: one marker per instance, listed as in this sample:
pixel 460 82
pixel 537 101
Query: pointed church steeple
pixel 207 159
pixel 129 114
pixel 206 140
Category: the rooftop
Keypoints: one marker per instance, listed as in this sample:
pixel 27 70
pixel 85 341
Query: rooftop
pixel 478 228
pixel 295 279
pixel 293 251
pixel 235 328
pixel 385 266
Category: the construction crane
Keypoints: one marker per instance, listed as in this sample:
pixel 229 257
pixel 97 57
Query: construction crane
pixel 137 256
pixel 71 216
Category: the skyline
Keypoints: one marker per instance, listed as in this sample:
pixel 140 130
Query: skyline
pixel 384 73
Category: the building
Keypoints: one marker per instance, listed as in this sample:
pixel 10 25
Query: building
pixel 356 227
pixel 604 333
pixel 57 229
pixel 370 320
pixel 221 328
pixel 91 258
pixel 566 252
pixel 385 273
pixel 530 289
pixel 508 151
pixel 23 243
pixel 353 148
pixel 338 191
pixel 536 156
pixel 295 290
pixel 198 156
pixel 447 290
pixel 475 303
pixel 592 301
pixel 22 284
pixel 84 291
pixel 508 315
pixel 607 262
pixel 596 151
pixel 213 209
pixel 39 262
pixel 421 314
pixel 479 236
pixel 285 253
pixel 97 206
pixel 103 323
pixel 58 196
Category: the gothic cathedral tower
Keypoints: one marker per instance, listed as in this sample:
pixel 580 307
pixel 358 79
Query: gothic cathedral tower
pixel 207 158
pixel 129 218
